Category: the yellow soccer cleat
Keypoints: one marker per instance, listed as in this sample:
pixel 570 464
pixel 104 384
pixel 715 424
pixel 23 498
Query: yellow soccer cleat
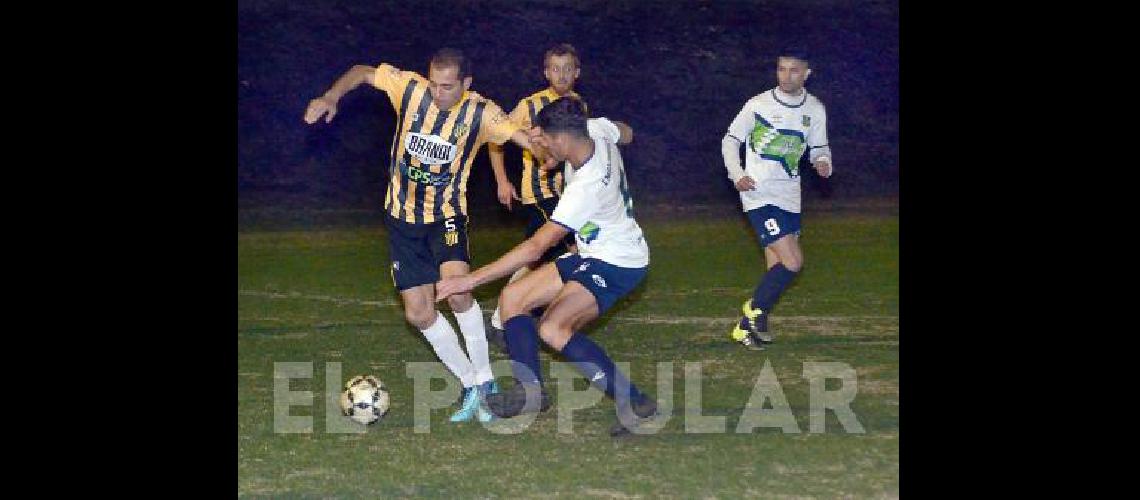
pixel 742 335
pixel 757 322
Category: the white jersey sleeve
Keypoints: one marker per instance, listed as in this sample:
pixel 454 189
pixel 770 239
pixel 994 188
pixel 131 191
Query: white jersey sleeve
pixel 574 208
pixel 817 136
pixel 603 128
pixel 737 133
pixel 742 125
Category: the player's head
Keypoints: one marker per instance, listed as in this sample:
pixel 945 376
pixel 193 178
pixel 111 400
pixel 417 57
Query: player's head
pixel 560 126
pixel 792 70
pixel 448 77
pixel 561 67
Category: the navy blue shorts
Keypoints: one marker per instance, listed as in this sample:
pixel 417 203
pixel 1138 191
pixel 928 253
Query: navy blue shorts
pixel 539 214
pixel 606 282
pixel 772 223
pixel 417 250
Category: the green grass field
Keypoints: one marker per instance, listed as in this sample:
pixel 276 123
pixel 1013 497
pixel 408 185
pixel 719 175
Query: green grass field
pixel 326 296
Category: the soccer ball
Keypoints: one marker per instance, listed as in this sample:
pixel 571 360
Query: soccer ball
pixel 364 399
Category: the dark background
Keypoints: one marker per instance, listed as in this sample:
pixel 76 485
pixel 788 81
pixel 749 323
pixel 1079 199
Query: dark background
pixel 677 72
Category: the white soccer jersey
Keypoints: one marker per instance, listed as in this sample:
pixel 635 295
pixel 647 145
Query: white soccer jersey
pixel 776 130
pixel 596 204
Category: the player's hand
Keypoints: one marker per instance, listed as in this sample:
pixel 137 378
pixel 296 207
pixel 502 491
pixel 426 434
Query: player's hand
pixel 453 285
pixel 745 184
pixel 535 135
pixel 507 192
pixel 549 163
pixel 540 149
pixel 318 107
pixel 823 166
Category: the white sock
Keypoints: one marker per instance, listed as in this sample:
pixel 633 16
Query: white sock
pixel 471 324
pixel 497 319
pixel 446 344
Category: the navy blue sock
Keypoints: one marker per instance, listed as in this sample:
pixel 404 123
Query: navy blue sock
pixel 771 286
pixel 592 361
pixel 521 335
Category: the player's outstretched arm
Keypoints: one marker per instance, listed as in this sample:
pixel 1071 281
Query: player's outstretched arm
pixel 522 254
pixel 506 189
pixel 325 105
pixel 626 132
pixel 531 139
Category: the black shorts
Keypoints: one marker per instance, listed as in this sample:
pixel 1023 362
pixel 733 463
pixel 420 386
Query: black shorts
pixel 539 214
pixel 417 250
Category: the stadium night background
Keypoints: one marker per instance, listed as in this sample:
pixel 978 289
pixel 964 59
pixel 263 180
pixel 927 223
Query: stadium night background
pixel 313 282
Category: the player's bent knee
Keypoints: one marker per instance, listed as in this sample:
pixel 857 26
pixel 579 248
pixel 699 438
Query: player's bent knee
pixel 460 302
pixel 511 301
pixel 794 265
pixel 420 315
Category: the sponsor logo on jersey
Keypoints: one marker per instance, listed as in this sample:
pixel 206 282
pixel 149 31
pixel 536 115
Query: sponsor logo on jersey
pixel 429 149
pixel 782 145
pixel 417 174
pixel 598 280
pixel 589 232
pixel 807 121
pixel 461 130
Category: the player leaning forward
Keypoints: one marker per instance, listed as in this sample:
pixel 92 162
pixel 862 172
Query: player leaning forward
pixel 576 288
pixel 441 125
pixel 777 127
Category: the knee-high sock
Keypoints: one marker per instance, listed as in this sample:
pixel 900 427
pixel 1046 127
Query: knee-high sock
pixel 596 366
pixel 522 341
pixel 475 337
pixel 771 286
pixel 446 344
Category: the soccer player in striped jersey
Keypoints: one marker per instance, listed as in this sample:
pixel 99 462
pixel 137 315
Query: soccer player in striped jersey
pixel 441 124
pixel 777 126
pixel 540 188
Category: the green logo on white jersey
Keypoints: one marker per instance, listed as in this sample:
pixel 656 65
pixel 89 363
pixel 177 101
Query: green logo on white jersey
pixel 589 231
pixel 782 145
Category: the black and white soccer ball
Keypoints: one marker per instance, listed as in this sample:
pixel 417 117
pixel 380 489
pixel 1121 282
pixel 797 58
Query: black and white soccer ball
pixel 365 399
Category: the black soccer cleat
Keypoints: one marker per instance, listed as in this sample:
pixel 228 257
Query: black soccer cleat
pixel 760 330
pixel 643 412
pixel 512 402
pixel 497 338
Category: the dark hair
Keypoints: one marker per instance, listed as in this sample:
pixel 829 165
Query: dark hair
pixel 561 50
pixel 448 56
pixel 797 52
pixel 564 115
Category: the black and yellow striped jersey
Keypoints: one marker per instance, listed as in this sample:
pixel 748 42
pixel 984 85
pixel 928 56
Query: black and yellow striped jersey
pixel 433 149
pixel 536 183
